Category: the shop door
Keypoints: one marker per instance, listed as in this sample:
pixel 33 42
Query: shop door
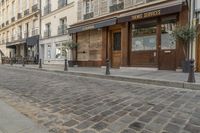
pixel 167 51
pixel 116 49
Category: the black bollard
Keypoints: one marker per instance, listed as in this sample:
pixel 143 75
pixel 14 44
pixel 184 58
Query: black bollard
pixel 40 63
pixel 107 67
pixel 191 76
pixel 66 67
pixel 23 62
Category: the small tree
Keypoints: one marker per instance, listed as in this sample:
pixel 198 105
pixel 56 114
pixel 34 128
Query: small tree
pixel 185 34
pixel 68 48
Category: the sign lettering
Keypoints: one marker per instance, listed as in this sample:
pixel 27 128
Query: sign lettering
pixel 146 15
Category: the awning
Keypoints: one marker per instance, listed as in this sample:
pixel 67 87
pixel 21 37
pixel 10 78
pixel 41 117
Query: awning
pixel 153 11
pixel 13 44
pixel 97 25
pixel 31 41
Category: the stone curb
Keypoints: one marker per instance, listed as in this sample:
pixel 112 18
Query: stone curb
pixel 177 84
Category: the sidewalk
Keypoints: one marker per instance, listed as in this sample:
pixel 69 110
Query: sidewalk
pixel 12 121
pixel 147 76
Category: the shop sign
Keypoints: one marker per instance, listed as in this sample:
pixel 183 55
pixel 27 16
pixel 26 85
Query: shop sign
pixel 147 15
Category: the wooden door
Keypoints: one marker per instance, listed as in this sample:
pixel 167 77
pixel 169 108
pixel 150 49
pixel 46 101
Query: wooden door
pixel 167 59
pixel 116 49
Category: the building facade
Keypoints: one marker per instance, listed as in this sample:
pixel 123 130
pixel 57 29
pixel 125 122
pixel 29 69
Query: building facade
pixel 130 33
pixel 19 28
pixel 57 15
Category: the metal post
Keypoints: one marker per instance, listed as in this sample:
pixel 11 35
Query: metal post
pixel 66 67
pixel 107 67
pixel 40 63
pixel 191 77
pixel 23 62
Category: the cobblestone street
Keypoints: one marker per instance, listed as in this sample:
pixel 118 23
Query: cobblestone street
pixel 72 104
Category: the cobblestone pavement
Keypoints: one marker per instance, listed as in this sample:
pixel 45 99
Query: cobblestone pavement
pixel 72 104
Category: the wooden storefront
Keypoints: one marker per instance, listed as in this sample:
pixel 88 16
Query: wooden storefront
pixel 134 39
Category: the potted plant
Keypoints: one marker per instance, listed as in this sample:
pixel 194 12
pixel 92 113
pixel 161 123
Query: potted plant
pixel 69 52
pixel 185 34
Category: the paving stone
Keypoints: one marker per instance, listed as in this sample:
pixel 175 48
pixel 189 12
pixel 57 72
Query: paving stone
pixel 172 128
pixel 70 123
pixel 88 131
pixel 128 131
pixel 116 126
pixel 192 128
pixel 100 126
pixel 138 126
pixel 71 131
pixel 85 124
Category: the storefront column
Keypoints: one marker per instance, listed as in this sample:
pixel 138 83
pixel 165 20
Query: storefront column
pixel 158 45
pixel 104 45
pixel 124 44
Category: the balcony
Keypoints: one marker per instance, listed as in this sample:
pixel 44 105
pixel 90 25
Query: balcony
pixel 62 3
pixel 13 19
pixel 117 7
pixel 19 37
pixel 47 9
pixel 26 34
pixel 7 22
pixel 88 15
pixel 47 33
pixel 35 8
pixel 62 29
pixel 35 31
pixel 19 15
pixel 2 25
pixel 26 12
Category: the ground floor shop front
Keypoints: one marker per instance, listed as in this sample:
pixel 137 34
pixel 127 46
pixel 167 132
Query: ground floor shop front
pixel 54 51
pixel 138 40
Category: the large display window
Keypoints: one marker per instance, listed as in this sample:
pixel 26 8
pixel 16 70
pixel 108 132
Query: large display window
pixel 143 38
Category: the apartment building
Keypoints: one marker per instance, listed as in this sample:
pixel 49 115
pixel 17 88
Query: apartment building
pixel 57 15
pixel 19 28
pixel 130 33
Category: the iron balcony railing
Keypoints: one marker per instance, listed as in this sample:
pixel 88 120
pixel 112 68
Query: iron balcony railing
pixel 62 3
pixel 62 29
pixel 13 19
pixel 35 8
pixel 19 36
pixel 35 31
pixel 26 12
pixel 47 33
pixel 3 25
pixel 88 15
pixel 117 7
pixel 47 9
pixel 19 15
pixel 7 22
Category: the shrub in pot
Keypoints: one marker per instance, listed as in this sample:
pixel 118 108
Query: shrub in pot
pixel 69 52
pixel 185 34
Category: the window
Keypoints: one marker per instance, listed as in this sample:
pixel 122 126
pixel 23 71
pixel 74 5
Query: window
pixel 58 51
pixel 49 51
pixel 167 41
pixel 144 38
pixel 13 9
pixel 89 6
pixel 20 6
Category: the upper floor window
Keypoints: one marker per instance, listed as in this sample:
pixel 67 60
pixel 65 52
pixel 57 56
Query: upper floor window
pixel 89 6
pixel 115 2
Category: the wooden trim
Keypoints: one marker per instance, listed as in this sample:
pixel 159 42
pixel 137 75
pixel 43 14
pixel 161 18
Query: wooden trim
pixel 158 45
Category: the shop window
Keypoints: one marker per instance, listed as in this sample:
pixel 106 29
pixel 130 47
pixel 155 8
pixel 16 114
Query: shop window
pixel 49 51
pixel 117 41
pixel 58 51
pixel 144 38
pixel 167 41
